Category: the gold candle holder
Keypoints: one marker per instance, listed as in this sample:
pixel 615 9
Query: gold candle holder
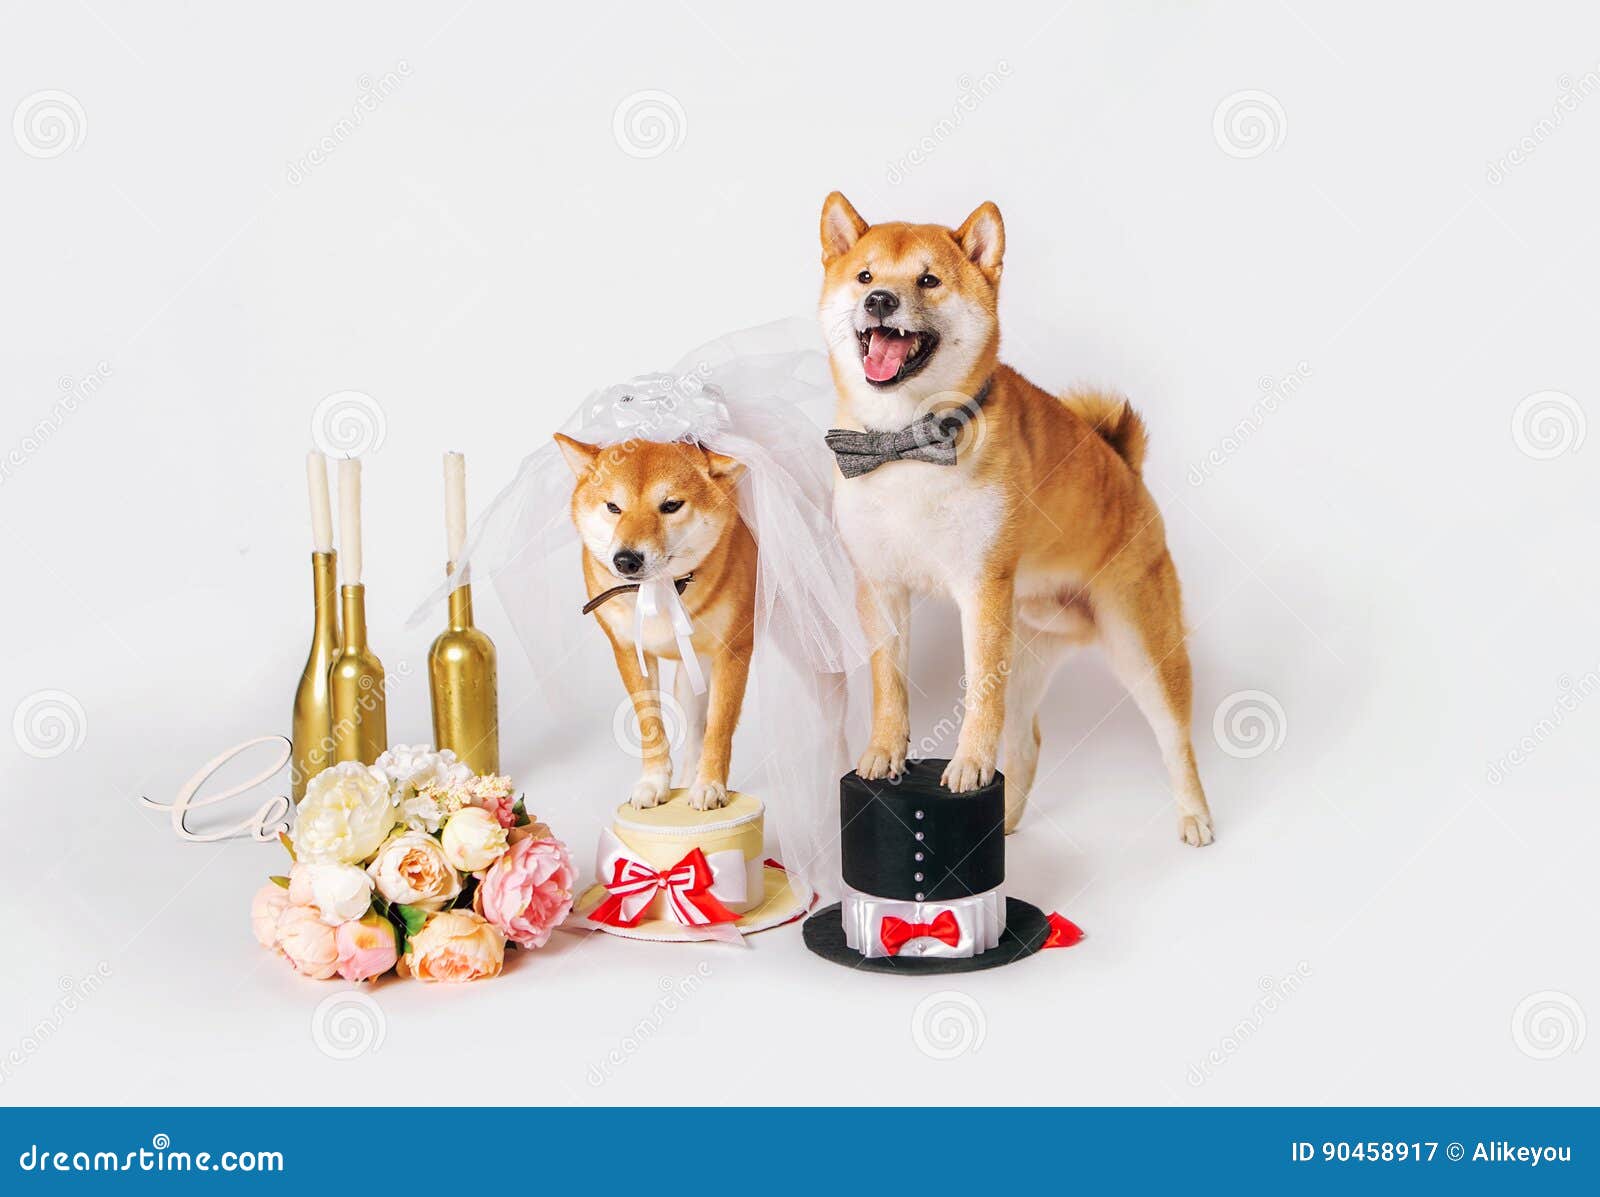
pixel 311 732
pixel 464 688
pixel 355 685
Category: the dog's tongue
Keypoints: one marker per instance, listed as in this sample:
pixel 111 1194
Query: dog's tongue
pixel 886 353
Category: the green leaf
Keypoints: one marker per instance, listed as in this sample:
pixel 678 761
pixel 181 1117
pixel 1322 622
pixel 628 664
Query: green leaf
pixel 411 917
pixel 280 882
pixel 288 846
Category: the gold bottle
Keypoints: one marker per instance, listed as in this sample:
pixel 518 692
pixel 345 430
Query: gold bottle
pixel 463 686
pixel 312 727
pixel 355 685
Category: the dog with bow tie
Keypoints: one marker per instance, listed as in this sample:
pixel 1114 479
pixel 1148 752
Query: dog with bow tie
pixel 958 475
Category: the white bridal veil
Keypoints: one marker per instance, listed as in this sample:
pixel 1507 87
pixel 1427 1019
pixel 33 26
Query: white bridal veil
pixel 741 396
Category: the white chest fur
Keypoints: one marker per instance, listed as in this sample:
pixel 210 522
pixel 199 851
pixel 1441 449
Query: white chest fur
pixel 926 526
pixel 618 614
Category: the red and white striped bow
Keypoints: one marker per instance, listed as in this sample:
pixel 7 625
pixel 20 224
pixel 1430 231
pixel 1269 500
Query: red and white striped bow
pixel 631 885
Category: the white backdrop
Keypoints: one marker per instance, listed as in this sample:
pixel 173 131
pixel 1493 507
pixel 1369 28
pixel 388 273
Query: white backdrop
pixel 1331 256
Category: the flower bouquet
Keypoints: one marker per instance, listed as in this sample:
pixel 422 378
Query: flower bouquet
pixel 412 864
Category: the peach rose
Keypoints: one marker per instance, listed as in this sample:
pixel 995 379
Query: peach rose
pixel 308 942
pixel 473 839
pixel 269 902
pixel 366 947
pixel 455 945
pixel 411 869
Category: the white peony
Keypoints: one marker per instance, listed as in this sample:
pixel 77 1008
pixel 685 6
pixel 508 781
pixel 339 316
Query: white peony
pixel 417 773
pixel 473 839
pixel 340 892
pixel 344 817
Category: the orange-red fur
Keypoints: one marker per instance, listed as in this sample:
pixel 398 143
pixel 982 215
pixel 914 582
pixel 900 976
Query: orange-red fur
pixel 1043 531
pixel 705 537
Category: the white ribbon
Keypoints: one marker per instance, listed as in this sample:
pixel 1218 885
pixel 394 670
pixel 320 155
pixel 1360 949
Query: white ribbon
pixel 655 596
pixel 732 879
pixel 981 918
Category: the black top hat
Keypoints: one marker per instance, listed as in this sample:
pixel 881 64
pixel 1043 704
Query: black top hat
pixel 923 871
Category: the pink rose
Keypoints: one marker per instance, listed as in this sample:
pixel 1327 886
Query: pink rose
pixel 366 947
pixel 528 891
pixel 270 901
pixel 308 942
pixel 494 794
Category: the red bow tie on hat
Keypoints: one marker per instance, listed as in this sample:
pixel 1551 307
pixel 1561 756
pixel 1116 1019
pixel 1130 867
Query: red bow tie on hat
pixel 895 933
pixel 687 886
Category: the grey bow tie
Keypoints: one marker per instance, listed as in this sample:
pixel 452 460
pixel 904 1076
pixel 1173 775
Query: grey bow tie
pixel 931 438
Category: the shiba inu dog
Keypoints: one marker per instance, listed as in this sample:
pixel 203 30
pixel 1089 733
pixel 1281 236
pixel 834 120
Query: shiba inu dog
pixel 647 510
pixel 1037 523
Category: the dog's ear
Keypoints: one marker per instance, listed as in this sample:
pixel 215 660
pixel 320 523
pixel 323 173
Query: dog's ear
pixel 983 239
pixel 723 469
pixel 842 227
pixel 580 457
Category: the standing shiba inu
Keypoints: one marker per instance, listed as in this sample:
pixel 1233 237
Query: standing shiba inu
pixel 646 510
pixel 1037 524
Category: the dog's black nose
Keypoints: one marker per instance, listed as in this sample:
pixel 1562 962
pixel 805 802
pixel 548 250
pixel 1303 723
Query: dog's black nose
pixel 628 562
pixel 880 303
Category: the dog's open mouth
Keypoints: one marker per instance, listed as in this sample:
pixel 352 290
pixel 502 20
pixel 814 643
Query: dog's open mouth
pixel 891 355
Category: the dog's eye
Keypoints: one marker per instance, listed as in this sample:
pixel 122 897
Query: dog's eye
pixel 864 277
pixel 670 506
pixel 928 280
pixel 613 509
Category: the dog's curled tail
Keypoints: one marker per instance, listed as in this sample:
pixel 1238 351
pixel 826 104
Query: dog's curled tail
pixel 1113 418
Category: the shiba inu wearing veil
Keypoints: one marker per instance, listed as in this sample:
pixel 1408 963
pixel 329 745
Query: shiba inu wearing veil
pixel 738 396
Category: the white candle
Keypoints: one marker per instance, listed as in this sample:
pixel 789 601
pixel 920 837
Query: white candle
pixel 350 521
pixel 455 506
pixel 321 510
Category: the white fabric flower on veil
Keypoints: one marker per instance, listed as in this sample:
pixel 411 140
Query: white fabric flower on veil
pixel 660 407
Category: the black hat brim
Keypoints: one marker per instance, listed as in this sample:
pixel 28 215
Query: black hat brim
pixel 1026 930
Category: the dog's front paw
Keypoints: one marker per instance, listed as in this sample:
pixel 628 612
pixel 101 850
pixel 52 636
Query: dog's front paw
pixel 1195 830
pixel 708 795
pixel 650 790
pixel 878 762
pixel 967 771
